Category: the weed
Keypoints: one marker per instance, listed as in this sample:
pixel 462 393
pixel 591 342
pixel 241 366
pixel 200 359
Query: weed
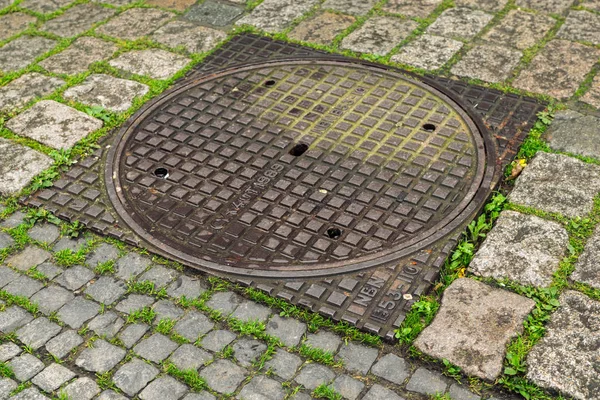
pixel 6 371
pixel 247 328
pixel 39 214
pixel 189 377
pixel 318 355
pixel 62 395
pixel 165 326
pixel 100 113
pixel 227 352
pixel 105 381
pixel 325 391
pixel 105 268
pixel 145 315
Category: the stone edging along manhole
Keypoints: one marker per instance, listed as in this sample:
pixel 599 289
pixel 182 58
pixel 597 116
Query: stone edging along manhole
pixel 335 184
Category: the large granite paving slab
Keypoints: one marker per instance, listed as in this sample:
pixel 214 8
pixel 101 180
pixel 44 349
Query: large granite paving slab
pixel 11 24
pixel 459 23
pixel 378 35
pixel 135 23
pixel 54 124
pixel 26 88
pixel 350 6
pixel 592 96
pixel 411 8
pixel 558 184
pixel 473 326
pixel 105 91
pixel 522 248
pixel 520 29
pixel 428 52
pixel 321 29
pixel 581 26
pixel 194 38
pixel 77 20
pixel 179 5
pixel 575 133
pixel 276 15
pixel 214 13
pixel 157 64
pixel 22 51
pixel 79 56
pixel 18 166
pixel 566 358
pixel 587 269
pixel 486 5
pixel 546 6
pixel 488 63
pixel 558 69
pixel 44 6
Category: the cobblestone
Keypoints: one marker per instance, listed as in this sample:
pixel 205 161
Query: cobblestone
pixel 131 265
pixel 132 333
pixel 164 309
pixel 77 311
pixel 194 38
pixel 77 20
pixel 276 15
pixel 7 275
pixel 62 344
pixel 104 253
pixel 262 387
pixel 322 29
pixel 288 330
pixel 157 64
pixel 18 166
pixel 44 6
pixel 22 51
pixel 250 311
pixel 46 233
pixel 520 29
pixel 188 357
pixel 6 240
pixel 107 92
pixel 75 277
pixel 284 364
pixel 82 389
pixel 214 13
pixel 12 24
pixel 164 388
pixel 488 63
pixel 412 8
pixel 378 35
pixel 49 270
pixel 52 377
pixel 350 6
pixel 459 23
pixel 106 325
pixel 102 357
pixel 179 5
pixel 36 333
pixel 428 52
pixel 223 376
pixel 247 351
pixel 7 385
pixel 9 350
pixel 26 88
pixel 23 286
pixel 392 368
pixel 106 290
pixel 357 358
pixel 67 243
pixel 30 257
pixel 13 220
pixel 313 375
pixel 52 298
pixel 592 96
pixel 79 56
pixel 29 394
pixel 187 287
pixel 348 387
pixel 426 382
pixel 25 367
pixel 155 348
pixel 134 302
pixel 586 269
pixel 486 5
pixel 135 23
pixel 134 376
pixel 193 325
pixel 159 276
pixel 546 6
pixel 224 302
pixel 582 26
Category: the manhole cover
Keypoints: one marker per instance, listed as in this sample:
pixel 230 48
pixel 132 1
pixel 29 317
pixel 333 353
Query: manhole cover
pixel 299 169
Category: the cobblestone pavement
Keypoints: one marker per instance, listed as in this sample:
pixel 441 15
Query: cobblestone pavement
pixel 85 318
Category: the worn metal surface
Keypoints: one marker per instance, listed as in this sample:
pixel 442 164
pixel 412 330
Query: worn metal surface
pixel 372 237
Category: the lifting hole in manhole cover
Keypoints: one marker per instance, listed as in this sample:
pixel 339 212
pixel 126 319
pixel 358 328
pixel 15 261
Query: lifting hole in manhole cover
pixel 298 169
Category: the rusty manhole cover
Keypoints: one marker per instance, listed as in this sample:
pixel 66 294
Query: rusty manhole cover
pixel 299 169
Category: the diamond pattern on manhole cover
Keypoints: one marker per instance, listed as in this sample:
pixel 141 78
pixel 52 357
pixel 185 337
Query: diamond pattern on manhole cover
pixel 299 169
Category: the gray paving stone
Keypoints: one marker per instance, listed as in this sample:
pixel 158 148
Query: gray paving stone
pixel 106 290
pixel 194 38
pixel 100 90
pixel 427 382
pixel 582 26
pixel 36 333
pixel 52 377
pixel 348 387
pixel 29 394
pixel 301 396
pixel 565 358
pixel 7 275
pixel 558 69
pixel 187 287
pixel 488 63
pixel 357 358
pixel 135 23
pixel 592 96
pixel 586 269
pixel 7 385
pixel 247 351
pixel 290 331
pixel 188 356
pixel 520 29
pixel 26 88
pixel 378 35
pixel 314 375
pixel 67 243
pixel 350 6
pixel 559 184
pixel 6 240
pixel 284 364
pixel 459 23
pixel 223 376
pixel 164 388
pixel 134 302
pixel 8 350
pixel 131 265
pixel 22 51
pixel 324 340
pixel 110 395
pixel 14 23
pixel 77 311
pixel 591 5
pixel 428 52
pixel 14 220
pixel 77 20
pixel 5 3
pixel 18 166
pixel 217 340
pixel 12 318
pixel 475 340
pixel 522 248
pixel 250 311
pixel 411 8
pixel 44 6
pixel 224 302
pixel 23 286
pixel 392 368
pixel 82 389
pixel 102 357
pixel 214 13
pixel 378 392
pixel 179 5
pixel 159 275
pixel 193 325
pixel 132 333
pixel 25 367
pixel 107 324
pixel 62 344
pixel 276 15
pixel 458 392
pixel 546 6
pixel 199 396
pixel 30 257
pixel 75 277
pixel 134 376
pixel 157 64
pixel 79 56
pixel 116 3
pixel 155 348
pixel 52 298
pixel 486 5
pixel 45 233
pixel 103 253
pixel 261 387
pixel 54 124
pixel 49 270
pixel 164 309
pixel 321 29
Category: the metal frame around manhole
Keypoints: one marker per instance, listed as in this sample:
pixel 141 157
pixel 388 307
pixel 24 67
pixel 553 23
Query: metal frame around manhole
pixel 487 176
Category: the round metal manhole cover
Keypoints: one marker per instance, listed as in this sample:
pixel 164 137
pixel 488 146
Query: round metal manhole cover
pixel 298 169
